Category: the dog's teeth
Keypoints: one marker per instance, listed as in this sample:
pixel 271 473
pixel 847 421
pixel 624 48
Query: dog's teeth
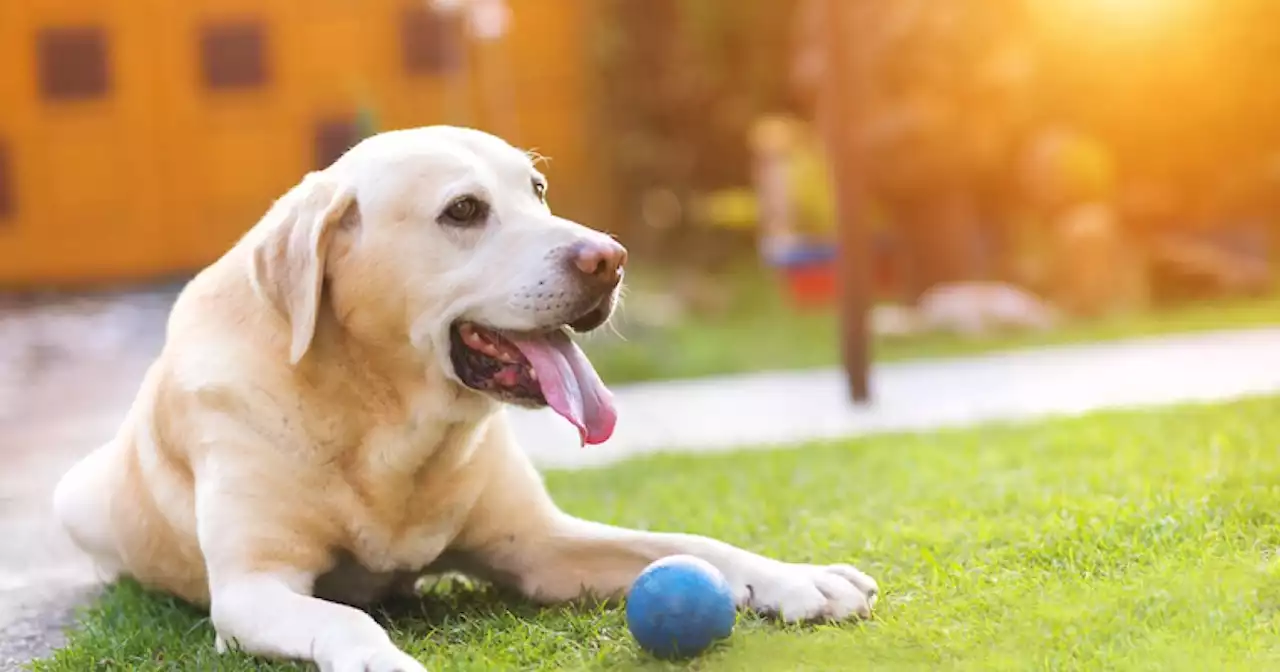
pixel 533 374
pixel 478 344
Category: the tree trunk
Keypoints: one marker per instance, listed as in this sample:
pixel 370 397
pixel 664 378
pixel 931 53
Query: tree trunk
pixel 940 233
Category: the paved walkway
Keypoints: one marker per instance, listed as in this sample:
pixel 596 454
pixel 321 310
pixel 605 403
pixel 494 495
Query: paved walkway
pixel 59 411
pixel 795 406
pixel 67 373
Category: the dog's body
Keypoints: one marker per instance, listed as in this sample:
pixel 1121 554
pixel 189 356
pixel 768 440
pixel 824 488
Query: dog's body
pixel 324 424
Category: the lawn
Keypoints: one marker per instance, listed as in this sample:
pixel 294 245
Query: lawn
pixel 1116 541
pixel 758 330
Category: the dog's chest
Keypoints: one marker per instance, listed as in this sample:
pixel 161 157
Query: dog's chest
pixel 389 549
pixel 410 493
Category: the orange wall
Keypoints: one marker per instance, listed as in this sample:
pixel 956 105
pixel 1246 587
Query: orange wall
pixel 161 175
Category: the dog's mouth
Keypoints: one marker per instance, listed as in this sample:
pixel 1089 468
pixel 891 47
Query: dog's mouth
pixel 534 369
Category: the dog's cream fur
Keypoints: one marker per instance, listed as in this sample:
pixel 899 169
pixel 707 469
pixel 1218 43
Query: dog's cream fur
pixel 302 442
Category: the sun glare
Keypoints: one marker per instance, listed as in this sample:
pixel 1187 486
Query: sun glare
pixel 1116 21
pixel 1131 10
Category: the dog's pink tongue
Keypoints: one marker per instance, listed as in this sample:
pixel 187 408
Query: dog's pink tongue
pixel 570 384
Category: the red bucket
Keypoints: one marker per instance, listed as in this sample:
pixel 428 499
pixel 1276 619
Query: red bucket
pixel 811 285
pixel 810 275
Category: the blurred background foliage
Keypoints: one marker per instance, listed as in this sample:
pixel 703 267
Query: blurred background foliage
pixel 682 83
pixel 1179 94
pixel 984 125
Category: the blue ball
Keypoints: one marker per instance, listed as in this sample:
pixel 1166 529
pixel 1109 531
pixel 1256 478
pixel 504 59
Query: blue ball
pixel 679 606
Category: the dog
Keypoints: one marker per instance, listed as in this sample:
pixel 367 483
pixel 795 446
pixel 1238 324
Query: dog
pixel 325 422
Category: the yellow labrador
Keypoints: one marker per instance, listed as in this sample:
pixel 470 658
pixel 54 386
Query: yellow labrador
pixel 325 421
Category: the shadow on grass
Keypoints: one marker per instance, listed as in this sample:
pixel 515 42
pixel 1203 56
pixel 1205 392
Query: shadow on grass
pixel 455 625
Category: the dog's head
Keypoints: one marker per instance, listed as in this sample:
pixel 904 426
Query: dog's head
pixel 441 237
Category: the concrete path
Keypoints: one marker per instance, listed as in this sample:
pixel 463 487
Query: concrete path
pixel 67 373
pixel 71 399
pixel 795 406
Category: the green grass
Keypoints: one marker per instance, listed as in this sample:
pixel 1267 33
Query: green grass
pixel 759 331
pixel 1117 541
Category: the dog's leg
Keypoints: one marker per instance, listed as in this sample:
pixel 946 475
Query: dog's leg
pixel 82 504
pixel 521 537
pixel 270 614
pixel 261 575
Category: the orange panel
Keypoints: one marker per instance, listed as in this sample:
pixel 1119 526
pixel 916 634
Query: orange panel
pixel 85 165
pixel 17 131
pixel 230 151
pixel 337 59
pixel 418 99
pixel 547 60
pixel 164 173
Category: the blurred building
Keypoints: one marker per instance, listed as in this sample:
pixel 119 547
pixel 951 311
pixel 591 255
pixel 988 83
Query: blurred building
pixel 142 137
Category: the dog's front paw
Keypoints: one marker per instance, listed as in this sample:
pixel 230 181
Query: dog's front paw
pixel 795 592
pixel 381 659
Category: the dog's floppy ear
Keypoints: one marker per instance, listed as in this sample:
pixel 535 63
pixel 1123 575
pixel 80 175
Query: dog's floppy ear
pixel 289 260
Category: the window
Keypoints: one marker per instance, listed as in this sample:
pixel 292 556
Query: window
pixel 233 55
pixel 333 138
pixel 72 63
pixel 430 41
pixel 7 205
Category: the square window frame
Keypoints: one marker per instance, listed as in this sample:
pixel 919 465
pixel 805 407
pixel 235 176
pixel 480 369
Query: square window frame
pixel 73 63
pixel 233 55
pixel 431 41
pixel 331 137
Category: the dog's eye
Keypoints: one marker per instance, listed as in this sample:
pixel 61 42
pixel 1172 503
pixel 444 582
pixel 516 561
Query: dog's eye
pixel 465 211
pixel 540 190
